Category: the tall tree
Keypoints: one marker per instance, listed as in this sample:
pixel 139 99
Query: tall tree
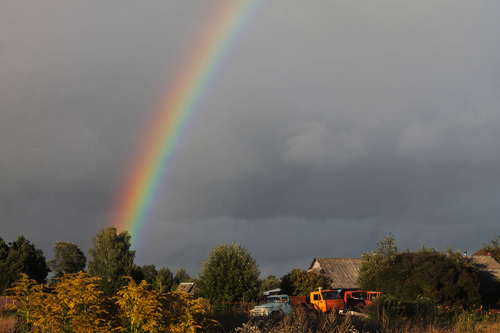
pixel 181 276
pixel 149 273
pixel 376 262
pixel 69 259
pixel 164 280
pixel 112 258
pixel 19 257
pixel 229 275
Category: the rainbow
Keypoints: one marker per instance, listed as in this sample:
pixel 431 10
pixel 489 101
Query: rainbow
pixel 165 128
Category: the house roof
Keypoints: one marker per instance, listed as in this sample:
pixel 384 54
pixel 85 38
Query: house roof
pixel 489 273
pixel 343 272
pixel 187 287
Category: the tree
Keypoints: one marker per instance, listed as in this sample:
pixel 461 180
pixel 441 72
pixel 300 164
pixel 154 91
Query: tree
pixel 149 273
pixel 443 278
pixel 373 263
pixel 164 280
pixel 181 276
pixel 21 257
pixel 229 275
pixel 493 249
pixel 300 283
pixel 69 259
pixel 271 282
pixel 112 258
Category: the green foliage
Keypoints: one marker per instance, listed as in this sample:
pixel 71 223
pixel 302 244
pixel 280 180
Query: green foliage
pixel 271 282
pixel 181 276
pixel 444 278
pixel 229 275
pixel 164 281
pixel 69 259
pixel 492 249
pixel 21 257
pixel 111 258
pixel 300 283
pixel 392 308
pixel 136 273
pixel 149 273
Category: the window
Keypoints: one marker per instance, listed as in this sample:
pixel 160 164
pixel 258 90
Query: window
pixel 327 295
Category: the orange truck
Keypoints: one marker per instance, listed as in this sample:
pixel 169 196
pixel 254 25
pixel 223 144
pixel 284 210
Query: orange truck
pixel 321 300
pixel 357 300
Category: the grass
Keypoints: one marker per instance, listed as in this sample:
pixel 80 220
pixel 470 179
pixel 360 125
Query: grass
pixel 302 321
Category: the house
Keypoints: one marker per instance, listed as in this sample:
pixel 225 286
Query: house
pixel 489 275
pixel 187 287
pixel 343 272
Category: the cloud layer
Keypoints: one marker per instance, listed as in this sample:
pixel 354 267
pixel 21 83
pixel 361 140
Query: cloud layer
pixel 330 125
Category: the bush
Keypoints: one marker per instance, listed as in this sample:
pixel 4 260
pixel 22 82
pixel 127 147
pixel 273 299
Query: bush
pixel 77 304
pixel 300 283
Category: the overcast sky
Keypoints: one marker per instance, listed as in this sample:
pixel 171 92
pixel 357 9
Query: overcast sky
pixel 330 125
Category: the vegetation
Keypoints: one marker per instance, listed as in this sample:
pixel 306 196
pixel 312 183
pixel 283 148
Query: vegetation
pixel 69 259
pixel 112 259
pixel 18 257
pixel 164 281
pixel 229 275
pixel 77 304
pixel 425 291
pixel 443 278
pixel 269 283
pixel 300 283
pixel 181 276
pixel 492 249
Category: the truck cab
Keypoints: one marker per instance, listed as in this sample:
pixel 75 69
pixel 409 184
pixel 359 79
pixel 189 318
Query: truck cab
pixel 358 299
pixel 275 304
pixel 326 300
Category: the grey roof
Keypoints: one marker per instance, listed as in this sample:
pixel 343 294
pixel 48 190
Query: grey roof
pixel 187 287
pixel 489 273
pixel 343 272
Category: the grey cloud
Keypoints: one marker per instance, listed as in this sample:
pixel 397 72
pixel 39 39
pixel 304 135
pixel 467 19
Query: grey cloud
pixel 325 119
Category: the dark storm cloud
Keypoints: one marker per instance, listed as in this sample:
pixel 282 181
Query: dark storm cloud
pixel 327 118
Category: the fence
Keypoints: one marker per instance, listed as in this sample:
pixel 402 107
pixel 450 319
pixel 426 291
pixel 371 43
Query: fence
pixel 6 300
pixel 231 307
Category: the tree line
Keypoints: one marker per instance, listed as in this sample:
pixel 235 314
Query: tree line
pixel 231 274
pixel 111 259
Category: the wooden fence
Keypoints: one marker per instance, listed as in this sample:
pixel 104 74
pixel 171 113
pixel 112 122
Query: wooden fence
pixel 6 300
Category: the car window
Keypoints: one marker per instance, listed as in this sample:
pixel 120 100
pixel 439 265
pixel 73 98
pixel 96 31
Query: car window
pixel 328 295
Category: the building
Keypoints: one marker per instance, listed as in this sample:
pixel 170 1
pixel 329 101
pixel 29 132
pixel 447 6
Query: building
pixel 187 287
pixel 343 272
pixel 489 275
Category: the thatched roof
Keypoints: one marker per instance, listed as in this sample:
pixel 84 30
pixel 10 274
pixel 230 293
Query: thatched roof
pixel 489 273
pixel 343 272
